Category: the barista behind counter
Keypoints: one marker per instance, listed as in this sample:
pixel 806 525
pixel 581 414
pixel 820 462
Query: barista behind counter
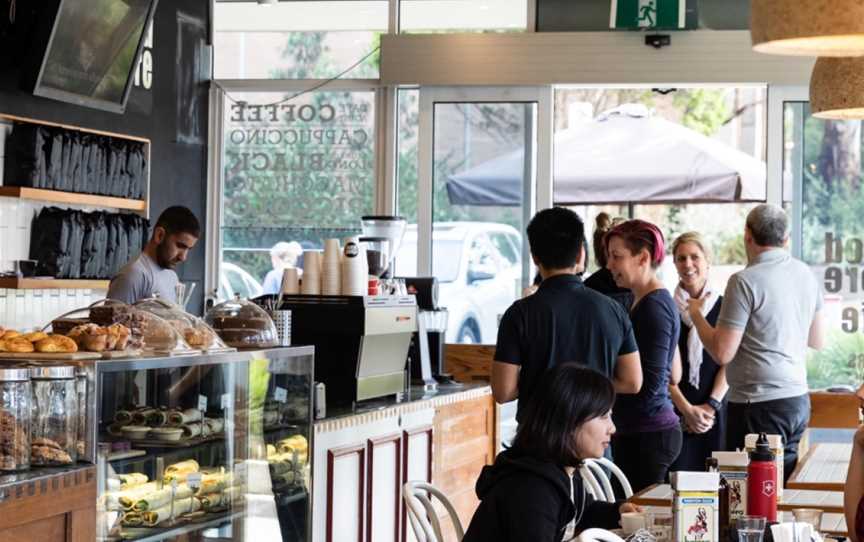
pixel 152 272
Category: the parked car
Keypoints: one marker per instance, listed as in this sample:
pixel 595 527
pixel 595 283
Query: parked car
pixel 233 280
pixel 478 269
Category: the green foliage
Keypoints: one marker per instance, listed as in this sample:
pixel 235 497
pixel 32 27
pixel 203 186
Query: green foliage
pixel 840 362
pixel 705 110
pixel 729 250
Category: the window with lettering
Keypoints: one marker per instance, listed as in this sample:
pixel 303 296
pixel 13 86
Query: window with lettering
pixel 823 159
pixel 294 173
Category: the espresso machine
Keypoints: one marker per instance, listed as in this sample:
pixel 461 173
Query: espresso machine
pixel 361 342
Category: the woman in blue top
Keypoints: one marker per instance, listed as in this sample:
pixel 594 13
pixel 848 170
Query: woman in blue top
pixel 649 432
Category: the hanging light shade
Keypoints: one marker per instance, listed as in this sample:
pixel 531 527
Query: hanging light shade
pixel 837 88
pixel 807 27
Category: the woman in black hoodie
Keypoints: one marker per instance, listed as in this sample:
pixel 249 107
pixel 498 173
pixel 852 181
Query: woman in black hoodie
pixel 534 492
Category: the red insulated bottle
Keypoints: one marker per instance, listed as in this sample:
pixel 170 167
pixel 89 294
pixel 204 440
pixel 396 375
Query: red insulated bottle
pixel 762 481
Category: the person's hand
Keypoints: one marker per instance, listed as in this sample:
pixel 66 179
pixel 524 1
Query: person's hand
pixel 859 437
pixel 694 306
pixel 629 507
pixel 699 418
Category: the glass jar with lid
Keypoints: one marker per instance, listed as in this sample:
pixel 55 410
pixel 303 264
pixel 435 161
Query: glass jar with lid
pixel 243 324
pixel 81 393
pixel 15 411
pixel 54 422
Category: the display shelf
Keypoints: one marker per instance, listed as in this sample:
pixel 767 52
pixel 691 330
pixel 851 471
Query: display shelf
pixel 58 196
pixel 16 283
pixel 154 534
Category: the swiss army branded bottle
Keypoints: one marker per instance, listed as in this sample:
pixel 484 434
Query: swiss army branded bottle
pixel 713 465
pixel 762 481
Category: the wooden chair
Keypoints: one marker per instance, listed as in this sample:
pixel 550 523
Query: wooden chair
pixel 421 512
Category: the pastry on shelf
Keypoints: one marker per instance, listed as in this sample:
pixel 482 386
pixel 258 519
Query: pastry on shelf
pixel 16 344
pixel 35 336
pixel 45 451
pixel 56 344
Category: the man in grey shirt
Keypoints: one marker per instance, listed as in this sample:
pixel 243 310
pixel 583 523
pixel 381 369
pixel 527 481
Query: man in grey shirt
pixel 152 272
pixel 771 313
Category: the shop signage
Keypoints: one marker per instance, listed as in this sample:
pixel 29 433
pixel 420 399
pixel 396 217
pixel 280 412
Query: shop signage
pixel 647 14
pixel 298 160
pixel 144 71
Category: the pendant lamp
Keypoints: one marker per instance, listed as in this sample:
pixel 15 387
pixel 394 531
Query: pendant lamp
pixel 808 27
pixel 837 88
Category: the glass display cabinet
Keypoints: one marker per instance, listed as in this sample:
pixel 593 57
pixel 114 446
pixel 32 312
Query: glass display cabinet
pixel 201 447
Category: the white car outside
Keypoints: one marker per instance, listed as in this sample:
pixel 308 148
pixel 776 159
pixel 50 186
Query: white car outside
pixel 479 274
pixel 233 279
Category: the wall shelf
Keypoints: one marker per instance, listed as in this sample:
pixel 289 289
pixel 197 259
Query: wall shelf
pixel 74 198
pixel 13 283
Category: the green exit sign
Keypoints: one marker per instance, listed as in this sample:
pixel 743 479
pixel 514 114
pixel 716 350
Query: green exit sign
pixel 647 14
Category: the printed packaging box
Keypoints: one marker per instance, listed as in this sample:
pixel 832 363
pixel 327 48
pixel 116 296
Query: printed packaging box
pixel 733 467
pixel 696 506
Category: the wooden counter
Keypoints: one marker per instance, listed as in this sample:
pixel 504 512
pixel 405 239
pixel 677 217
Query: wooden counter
pixel 362 460
pixel 49 505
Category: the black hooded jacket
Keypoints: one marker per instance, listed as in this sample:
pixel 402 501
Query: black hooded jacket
pixel 523 499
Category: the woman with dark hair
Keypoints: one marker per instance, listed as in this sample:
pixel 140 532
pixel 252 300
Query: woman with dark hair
pixel 601 280
pixel 649 432
pixel 533 492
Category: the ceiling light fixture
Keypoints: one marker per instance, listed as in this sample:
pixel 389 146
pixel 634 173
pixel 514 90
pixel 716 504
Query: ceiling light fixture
pixel 267 2
pixel 837 88
pixel 807 28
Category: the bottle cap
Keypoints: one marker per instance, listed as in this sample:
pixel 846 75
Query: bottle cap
pixel 763 451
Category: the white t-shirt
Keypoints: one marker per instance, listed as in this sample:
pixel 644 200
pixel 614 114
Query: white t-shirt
pixel 141 278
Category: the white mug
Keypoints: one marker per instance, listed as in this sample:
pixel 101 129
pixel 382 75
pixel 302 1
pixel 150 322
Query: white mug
pixel 632 522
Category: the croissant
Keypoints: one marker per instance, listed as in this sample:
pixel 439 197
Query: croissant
pixel 56 343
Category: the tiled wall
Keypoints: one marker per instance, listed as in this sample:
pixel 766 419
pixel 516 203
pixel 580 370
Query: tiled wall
pixel 27 309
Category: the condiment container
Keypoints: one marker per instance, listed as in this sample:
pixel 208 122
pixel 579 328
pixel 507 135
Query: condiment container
pixel 15 412
pixel 696 506
pixel 54 429
pixel 733 467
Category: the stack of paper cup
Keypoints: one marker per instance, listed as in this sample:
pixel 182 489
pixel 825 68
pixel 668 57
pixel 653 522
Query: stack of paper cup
pixel 354 268
pixel 311 281
pixel 290 281
pixel 331 268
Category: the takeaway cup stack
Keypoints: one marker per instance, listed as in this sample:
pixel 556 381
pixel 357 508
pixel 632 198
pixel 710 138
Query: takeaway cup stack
pixel 331 268
pixel 310 284
pixel 290 281
pixel 355 269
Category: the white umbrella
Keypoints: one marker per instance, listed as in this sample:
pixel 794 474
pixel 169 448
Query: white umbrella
pixel 624 155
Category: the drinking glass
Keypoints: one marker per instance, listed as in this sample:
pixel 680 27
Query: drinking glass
pixel 750 528
pixel 813 516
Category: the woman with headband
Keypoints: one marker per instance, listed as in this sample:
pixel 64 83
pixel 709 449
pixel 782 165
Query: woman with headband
pixel 649 432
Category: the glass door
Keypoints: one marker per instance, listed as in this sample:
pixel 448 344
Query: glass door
pixel 484 158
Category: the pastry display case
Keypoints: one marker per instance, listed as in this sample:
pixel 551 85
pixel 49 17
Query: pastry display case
pixel 185 447
pixel 213 441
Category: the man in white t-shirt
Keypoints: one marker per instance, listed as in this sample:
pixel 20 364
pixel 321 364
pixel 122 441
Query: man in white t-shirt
pixel 152 272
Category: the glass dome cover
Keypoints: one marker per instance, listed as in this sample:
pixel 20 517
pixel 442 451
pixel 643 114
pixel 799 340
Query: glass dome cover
pixel 243 324
pixel 195 332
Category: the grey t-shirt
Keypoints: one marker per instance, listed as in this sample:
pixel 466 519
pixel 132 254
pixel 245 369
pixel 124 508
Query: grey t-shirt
pixel 142 277
pixel 773 301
